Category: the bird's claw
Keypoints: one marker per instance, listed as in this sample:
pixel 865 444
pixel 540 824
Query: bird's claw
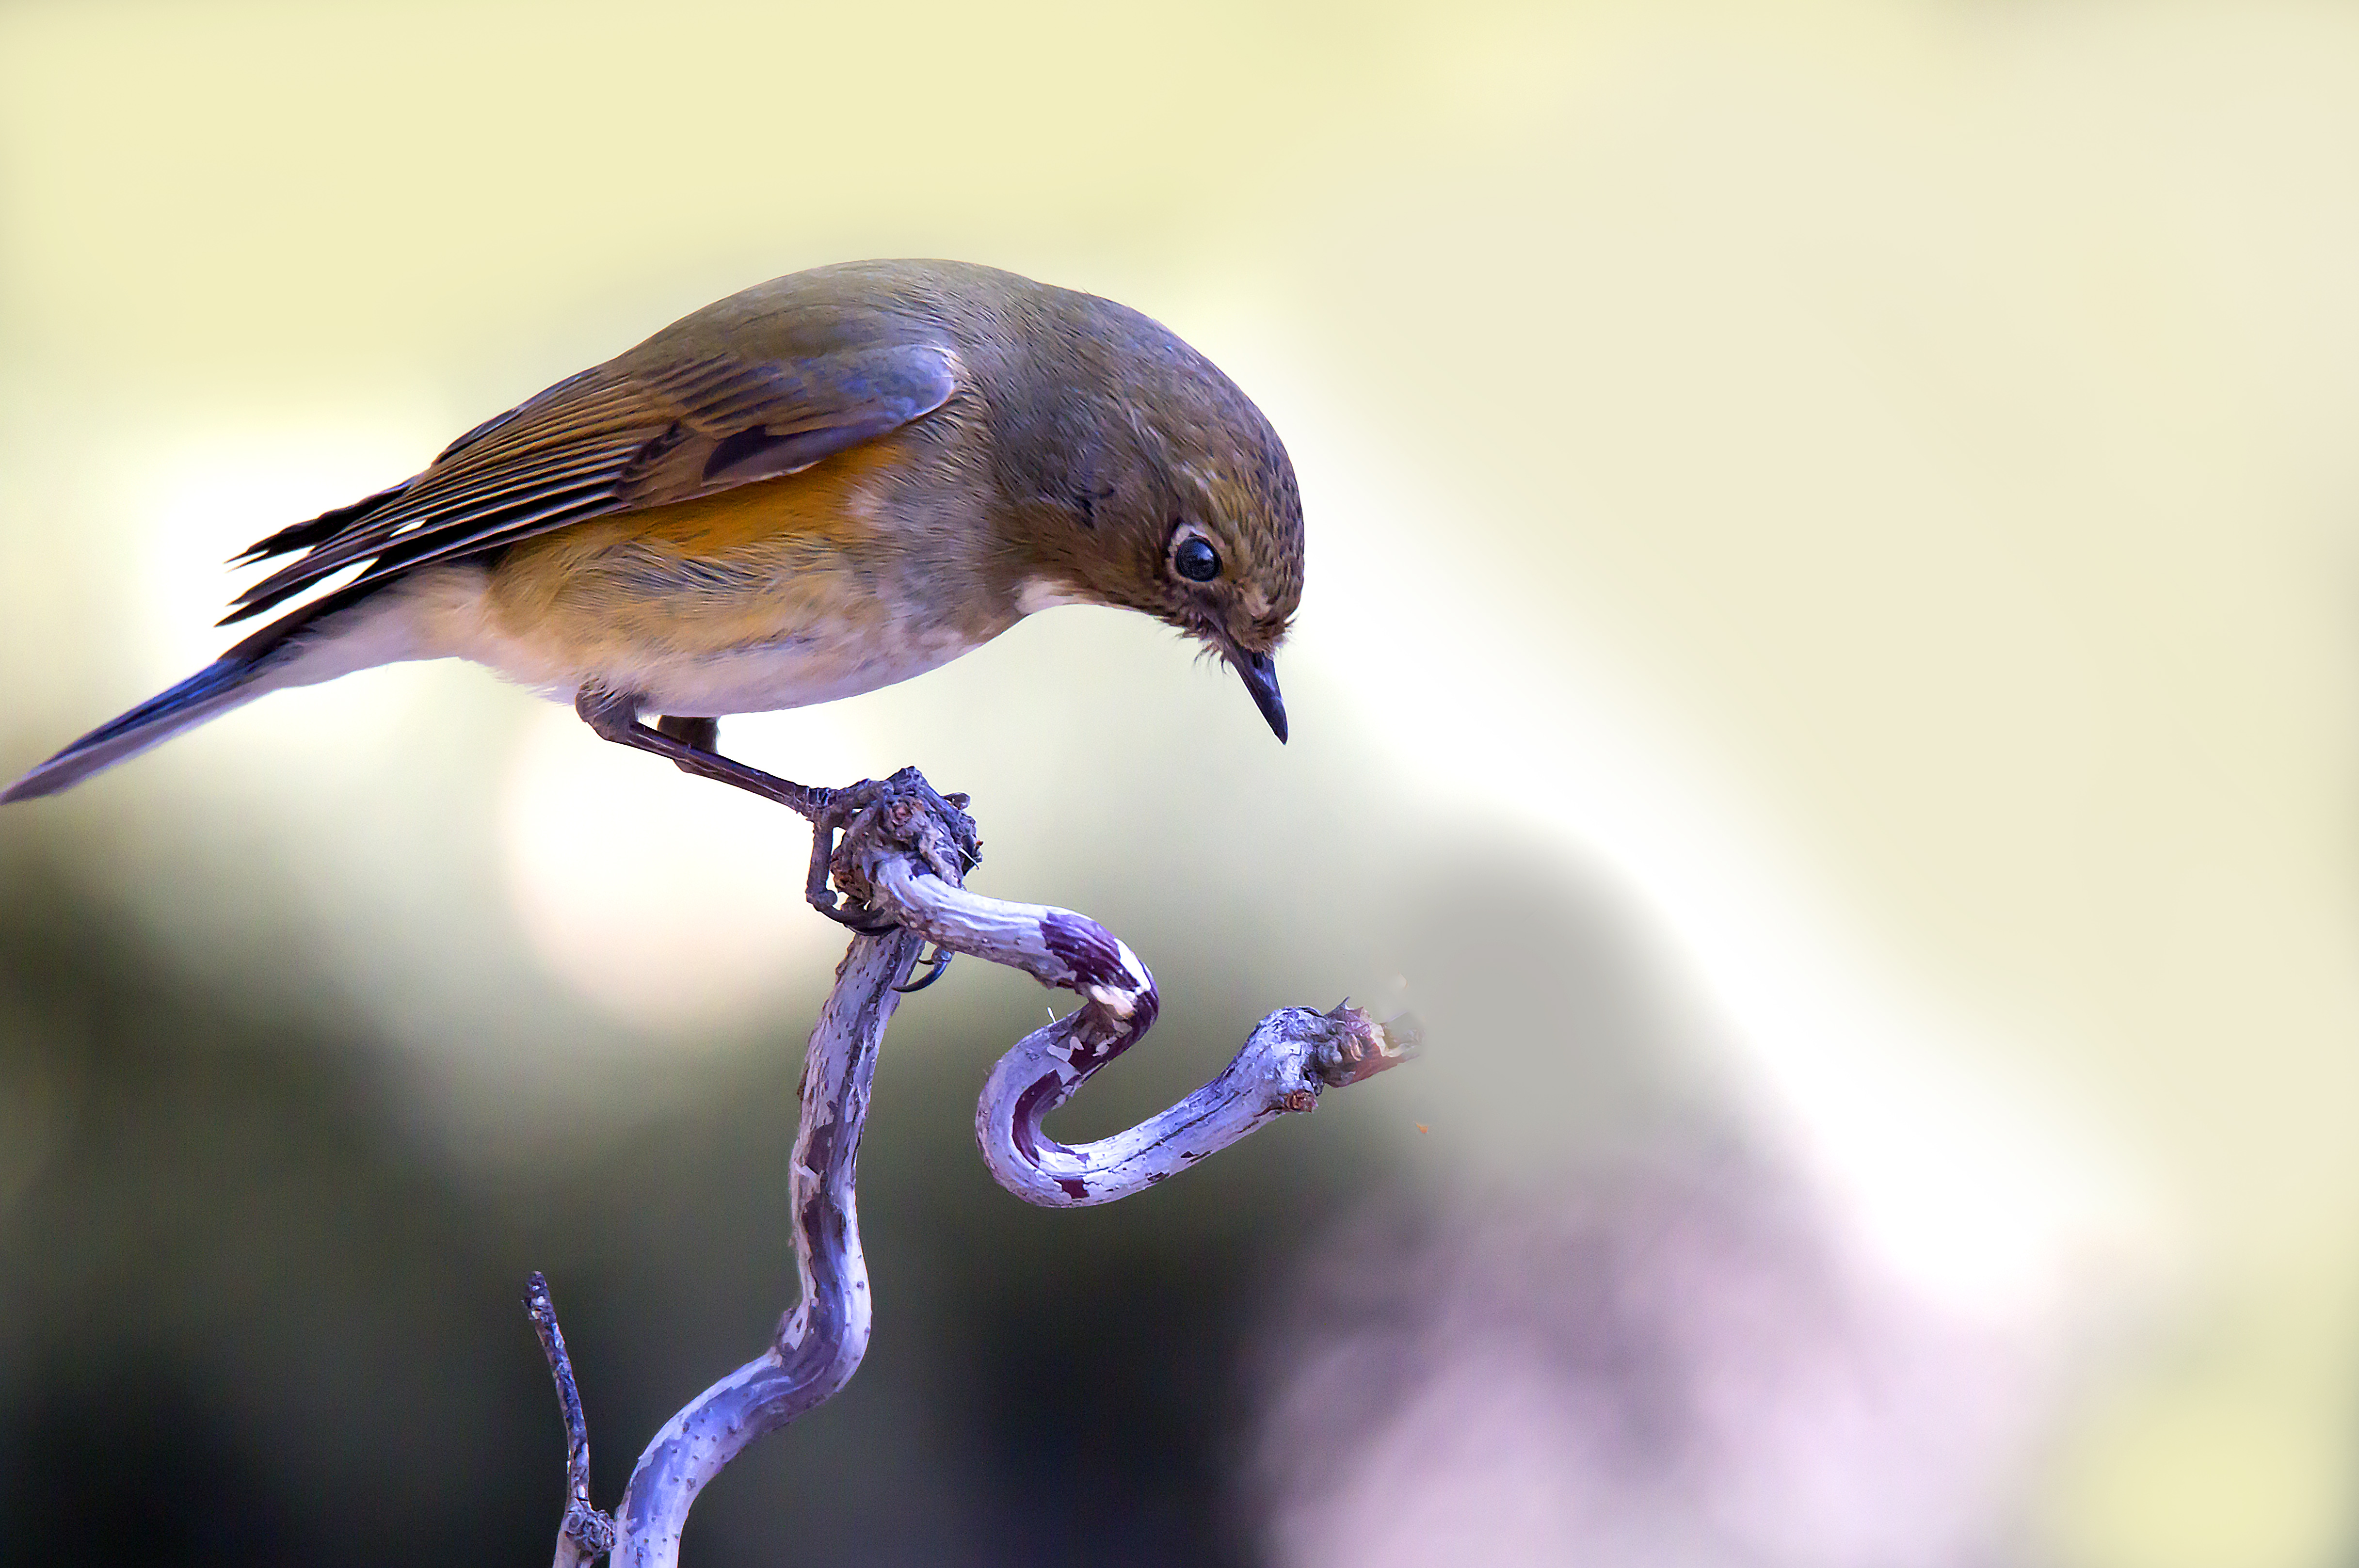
pixel 933 827
pixel 847 914
pixel 936 963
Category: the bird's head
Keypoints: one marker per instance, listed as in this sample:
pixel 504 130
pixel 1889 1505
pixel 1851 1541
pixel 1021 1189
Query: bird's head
pixel 1177 499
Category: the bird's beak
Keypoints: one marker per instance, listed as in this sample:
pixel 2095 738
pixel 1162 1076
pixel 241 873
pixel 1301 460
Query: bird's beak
pixel 1260 676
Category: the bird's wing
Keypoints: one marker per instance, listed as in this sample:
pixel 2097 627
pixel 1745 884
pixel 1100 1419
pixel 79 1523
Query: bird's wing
pixel 628 435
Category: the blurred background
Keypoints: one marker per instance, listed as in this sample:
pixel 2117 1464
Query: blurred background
pixel 1827 679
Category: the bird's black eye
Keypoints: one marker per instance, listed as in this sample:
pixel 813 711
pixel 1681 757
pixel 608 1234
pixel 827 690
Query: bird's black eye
pixel 1197 561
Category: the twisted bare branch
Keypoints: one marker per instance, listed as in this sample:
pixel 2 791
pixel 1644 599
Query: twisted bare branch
pixel 904 854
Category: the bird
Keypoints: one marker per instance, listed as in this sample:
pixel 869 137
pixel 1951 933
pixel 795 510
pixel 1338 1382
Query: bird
pixel 825 484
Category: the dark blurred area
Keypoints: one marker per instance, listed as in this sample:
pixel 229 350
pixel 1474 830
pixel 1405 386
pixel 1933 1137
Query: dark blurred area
pixel 246 1321
pixel 253 1317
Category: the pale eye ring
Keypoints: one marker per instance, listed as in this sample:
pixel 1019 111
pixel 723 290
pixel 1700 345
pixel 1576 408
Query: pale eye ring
pixel 1196 560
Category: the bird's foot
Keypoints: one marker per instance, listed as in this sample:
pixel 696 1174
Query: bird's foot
pixel 904 809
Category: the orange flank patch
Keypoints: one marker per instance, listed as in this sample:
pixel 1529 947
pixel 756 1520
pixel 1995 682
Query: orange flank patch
pixel 779 558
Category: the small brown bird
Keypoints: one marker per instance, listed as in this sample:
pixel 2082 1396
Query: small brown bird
pixel 827 483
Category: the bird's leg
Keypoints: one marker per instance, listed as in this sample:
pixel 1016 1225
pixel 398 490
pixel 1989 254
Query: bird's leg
pixel 705 735
pixel 688 743
pixel 615 715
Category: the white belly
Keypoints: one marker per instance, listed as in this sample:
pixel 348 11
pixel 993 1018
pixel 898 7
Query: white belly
pixel 789 674
pixel 443 613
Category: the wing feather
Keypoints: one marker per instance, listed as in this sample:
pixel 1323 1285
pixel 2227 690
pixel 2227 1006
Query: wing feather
pixel 612 439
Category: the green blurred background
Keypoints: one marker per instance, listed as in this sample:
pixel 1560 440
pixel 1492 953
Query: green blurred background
pixel 1827 678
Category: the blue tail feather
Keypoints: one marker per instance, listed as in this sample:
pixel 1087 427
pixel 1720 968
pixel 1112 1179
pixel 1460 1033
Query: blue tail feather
pixel 260 664
pixel 217 686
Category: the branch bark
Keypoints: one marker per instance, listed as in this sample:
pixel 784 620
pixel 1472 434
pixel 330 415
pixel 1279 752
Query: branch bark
pixel 586 1534
pixel 903 858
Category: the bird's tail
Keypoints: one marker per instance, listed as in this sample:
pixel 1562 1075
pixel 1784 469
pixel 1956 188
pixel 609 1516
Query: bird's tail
pixel 294 650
